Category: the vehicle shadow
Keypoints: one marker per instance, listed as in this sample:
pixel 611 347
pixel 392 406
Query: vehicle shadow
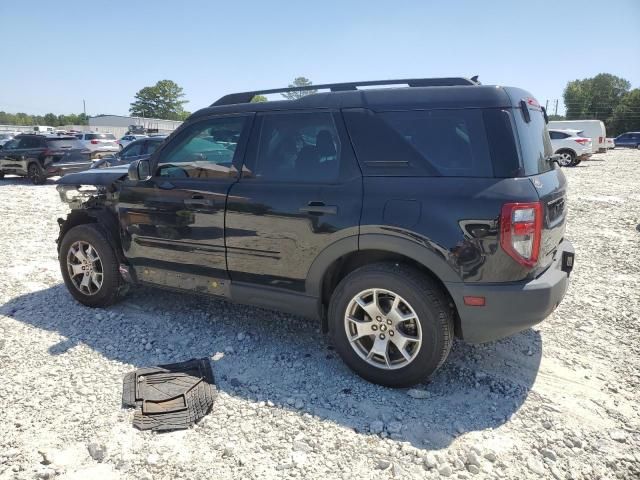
pixel 273 357
pixel 14 180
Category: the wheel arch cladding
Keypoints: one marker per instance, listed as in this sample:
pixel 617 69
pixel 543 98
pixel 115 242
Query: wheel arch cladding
pixel 103 218
pixel 344 256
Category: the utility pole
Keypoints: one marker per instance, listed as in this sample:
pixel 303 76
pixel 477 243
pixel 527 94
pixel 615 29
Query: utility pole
pixel 555 112
pixel 546 105
pixel 84 107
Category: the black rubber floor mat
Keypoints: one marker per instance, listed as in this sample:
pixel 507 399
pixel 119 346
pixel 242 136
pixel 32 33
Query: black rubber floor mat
pixel 170 397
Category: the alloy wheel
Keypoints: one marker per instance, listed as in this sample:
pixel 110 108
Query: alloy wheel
pixel 565 159
pixel 85 268
pixel 383 329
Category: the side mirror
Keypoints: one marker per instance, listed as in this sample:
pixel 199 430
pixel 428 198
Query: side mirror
pixel 139 170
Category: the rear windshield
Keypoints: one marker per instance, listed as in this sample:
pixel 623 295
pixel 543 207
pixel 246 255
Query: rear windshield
pixel 100 136
pixel 451 143
pixel 535 144
pixel 64 143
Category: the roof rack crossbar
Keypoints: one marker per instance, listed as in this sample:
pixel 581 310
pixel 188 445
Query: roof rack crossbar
pixel 245 97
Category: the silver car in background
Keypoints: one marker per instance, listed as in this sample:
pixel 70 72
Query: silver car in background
pixel 100 144
pixel 127 139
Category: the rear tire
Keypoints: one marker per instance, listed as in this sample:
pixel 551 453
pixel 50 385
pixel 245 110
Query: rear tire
pixel 1 175
pixel 36 174
pixel 407 319
pixel 567 158
pixel 90 267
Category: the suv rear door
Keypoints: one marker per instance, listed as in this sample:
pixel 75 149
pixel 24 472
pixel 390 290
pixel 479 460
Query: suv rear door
pixel 174 221
pixel 300 191
pixel 66 155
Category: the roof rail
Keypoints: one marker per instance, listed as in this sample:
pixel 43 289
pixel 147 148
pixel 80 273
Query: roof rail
pixel 245 97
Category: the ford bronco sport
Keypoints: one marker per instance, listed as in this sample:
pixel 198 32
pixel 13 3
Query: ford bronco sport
pixel 398 217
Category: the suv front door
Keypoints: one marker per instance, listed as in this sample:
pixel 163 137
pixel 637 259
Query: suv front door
pixel 174 221
pixel 300 192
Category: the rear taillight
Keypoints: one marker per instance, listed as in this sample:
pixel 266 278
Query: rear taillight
pixel 520 231
pixel 95 142
pixel 582 141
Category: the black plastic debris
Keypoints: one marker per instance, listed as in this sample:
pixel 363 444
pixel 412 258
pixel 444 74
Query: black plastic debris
pixel 170 397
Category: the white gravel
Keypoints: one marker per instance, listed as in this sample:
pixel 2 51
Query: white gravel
pixel 558 401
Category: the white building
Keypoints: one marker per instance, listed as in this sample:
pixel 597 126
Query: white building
pixel 119 125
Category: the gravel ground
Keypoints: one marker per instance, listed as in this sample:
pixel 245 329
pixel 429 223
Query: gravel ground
pixel 557 401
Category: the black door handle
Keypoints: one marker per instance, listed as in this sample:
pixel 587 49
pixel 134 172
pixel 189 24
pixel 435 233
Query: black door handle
pixel 319 208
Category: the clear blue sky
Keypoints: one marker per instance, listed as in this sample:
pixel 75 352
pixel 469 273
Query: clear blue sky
pixel 54 54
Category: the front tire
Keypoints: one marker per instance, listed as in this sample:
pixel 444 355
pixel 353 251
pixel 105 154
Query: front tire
pixel 89 266
pixel 35 174
pixel 391 324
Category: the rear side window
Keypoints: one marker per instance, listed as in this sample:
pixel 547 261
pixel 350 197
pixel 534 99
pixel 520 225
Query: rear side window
pixel 535 145
pixel 99 136
pixel 152 147
pixel 451 143
pixel 557 135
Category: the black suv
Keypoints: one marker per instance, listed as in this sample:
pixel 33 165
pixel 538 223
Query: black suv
pixel 397 217
pixel 39 157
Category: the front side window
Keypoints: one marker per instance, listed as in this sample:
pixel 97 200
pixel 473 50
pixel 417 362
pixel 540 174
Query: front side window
pixel 152 147
pixel 10 145
pixel 203 150
pixel 301 147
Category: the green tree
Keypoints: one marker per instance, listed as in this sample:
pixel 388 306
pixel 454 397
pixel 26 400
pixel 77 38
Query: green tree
pixel 626 116
pixel 162 100
pixel 51 120
pixel 556 117
pixel 259 98
pixel 594 98
pixel 299 82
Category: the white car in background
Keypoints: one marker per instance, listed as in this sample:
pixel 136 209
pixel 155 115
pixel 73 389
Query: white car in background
pixel 100 144
pixel 593 129
pixel 610 144
pixel 127 139
pixel 570 145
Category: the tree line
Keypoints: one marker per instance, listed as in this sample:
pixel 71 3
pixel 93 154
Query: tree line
pixel 50 119
pixel 604 97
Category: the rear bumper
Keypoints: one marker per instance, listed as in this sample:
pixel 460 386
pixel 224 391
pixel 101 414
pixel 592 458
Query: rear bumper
pixel 512 307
